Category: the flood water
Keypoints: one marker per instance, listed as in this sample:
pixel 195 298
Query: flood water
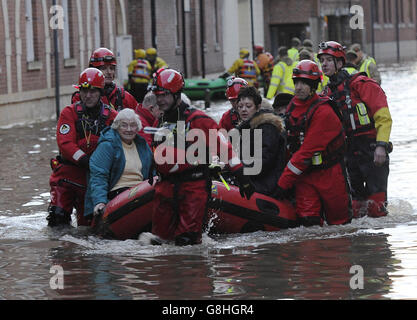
pixel 302 263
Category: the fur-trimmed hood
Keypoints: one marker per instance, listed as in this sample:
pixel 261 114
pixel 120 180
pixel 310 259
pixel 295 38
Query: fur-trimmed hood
pixel 263 117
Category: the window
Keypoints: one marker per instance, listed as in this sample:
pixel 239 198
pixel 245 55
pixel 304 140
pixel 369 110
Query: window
pixel 410 10
pixel 30 47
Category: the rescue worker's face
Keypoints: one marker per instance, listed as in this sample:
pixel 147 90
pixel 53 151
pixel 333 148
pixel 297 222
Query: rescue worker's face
pixel 302 90
pixel 90 96
pixel 109 72
pixel 165 101
pixel 329 65
pixel 127 130
pixel 246 108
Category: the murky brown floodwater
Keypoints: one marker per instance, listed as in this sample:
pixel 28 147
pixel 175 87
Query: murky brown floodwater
pixel 301 263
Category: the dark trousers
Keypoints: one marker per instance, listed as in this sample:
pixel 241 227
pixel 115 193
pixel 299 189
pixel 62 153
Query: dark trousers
pixel 368 182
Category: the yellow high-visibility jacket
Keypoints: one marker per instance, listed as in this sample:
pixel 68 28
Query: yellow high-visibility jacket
pixel 281 80
pixel 293 54
pixel 368 65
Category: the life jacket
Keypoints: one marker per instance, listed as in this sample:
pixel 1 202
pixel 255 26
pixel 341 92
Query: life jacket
pixel 247 70
pixel 141 70
pixel 297 128
pixel 179 164
pixel 118 103
pixel 84 125
pixel 356 119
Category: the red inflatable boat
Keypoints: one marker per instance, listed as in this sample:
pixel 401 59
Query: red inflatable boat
pixel 130 213
pixel 230 213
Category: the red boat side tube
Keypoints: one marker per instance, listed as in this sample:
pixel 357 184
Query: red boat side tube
pixel 128 214
pixel 230 213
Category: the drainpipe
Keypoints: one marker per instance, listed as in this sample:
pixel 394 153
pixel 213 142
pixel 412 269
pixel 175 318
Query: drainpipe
pixel 251 25
pixel 56 57
pixel 397 31
pixel 184 42
pixel 153 24
pixel 202 39
pixel 372 27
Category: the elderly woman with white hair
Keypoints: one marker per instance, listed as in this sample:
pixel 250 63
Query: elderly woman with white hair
pixel 122 159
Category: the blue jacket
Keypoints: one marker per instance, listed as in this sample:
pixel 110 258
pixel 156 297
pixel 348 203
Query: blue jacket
pixel 107 164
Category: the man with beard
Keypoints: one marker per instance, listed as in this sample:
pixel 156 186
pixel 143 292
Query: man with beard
pixel 114 96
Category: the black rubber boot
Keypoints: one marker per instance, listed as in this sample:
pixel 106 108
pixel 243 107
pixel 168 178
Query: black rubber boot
pixel 57 217
pixel 187 239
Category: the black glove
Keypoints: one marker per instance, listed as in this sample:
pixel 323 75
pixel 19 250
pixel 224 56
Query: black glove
pixel 214 170
pixel 246 187
pixel 84 162
pixel 152 173
pixel 280 193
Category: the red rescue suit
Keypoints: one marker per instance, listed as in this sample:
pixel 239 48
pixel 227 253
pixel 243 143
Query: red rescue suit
pixel 77 134
pixel 368 123
pixel 229 120
pixel 316 169
pixel 181 197
pixel 148 120
pixel 114 96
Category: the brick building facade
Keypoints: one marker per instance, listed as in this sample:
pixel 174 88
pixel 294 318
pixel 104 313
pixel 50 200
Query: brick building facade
pixel 26 45
pixel 184 32
pixel 388 33
pixel 197 37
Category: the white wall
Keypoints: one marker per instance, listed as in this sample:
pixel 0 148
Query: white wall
pixel 237 33
pixel 231 31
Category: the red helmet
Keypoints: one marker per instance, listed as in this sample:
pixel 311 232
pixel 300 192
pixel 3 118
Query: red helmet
pixel 233 87
pixel 90 78
pixel 332 48
pixel 306 69
pixel 101 57
pixel 258 49
pixel 167 80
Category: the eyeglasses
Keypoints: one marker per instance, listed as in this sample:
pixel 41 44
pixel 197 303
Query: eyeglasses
pixel 133 126
pixel 103 59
